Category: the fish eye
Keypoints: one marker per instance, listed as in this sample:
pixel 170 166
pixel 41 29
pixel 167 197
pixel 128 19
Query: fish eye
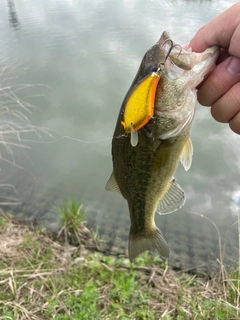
pixel 150 69
pixel 154 69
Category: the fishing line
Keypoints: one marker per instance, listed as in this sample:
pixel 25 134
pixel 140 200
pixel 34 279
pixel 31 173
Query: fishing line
pixel 74 139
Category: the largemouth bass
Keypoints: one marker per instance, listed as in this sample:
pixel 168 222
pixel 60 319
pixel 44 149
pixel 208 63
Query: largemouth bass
pixel 145 160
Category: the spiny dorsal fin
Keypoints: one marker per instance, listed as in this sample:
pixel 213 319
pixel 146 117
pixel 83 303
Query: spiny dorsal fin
pixel 172 200
pixel 112 184
pixel 186 155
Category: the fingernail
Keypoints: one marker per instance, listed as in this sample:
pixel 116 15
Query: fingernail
pixel 234 66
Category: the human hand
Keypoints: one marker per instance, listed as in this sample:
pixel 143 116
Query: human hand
pixel 221 90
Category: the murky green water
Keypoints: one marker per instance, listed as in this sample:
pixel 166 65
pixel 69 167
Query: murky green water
pixel 81 57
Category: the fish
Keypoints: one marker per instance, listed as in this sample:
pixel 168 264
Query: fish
pixel 146 157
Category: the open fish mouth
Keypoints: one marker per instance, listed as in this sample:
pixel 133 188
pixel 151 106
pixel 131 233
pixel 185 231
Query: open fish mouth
pixel 184 58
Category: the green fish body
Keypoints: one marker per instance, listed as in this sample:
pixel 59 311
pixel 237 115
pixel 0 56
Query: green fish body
pixel 143 170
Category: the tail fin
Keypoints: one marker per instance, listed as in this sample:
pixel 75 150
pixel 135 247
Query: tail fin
pixel 153 243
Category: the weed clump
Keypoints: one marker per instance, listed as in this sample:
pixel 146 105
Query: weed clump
pixel 73 227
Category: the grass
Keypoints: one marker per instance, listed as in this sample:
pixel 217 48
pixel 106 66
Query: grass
pixel 45 279
pixel 72 222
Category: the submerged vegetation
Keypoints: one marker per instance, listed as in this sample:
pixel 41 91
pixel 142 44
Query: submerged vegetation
pixel 15 126
pixel 42 278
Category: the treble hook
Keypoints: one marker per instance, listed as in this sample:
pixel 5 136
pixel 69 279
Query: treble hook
pixel 172 45
pixel 169 51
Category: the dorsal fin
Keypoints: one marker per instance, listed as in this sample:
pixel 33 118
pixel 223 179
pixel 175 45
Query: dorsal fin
pixel 186 155
pixel 172 200
pixel 112 184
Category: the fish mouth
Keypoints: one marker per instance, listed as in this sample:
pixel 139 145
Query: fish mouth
pixel 184 58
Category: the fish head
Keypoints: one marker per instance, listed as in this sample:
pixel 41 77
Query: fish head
pixel 176 99
pixel 138 105
pixel 150 63
pixel 182 62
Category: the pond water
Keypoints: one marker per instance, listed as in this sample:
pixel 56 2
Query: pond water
pixel 80 58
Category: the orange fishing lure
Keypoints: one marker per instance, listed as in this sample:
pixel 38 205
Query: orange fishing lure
pixel 139 107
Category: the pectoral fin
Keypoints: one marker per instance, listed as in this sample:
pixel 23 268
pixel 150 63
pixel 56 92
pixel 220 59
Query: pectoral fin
pixel 112 184
pixel 186 156
pixel 172 200
pixel 180 127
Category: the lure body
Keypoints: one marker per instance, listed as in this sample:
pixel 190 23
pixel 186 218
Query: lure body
pixel 139 107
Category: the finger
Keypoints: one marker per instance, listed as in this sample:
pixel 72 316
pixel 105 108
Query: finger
pixel 228 106
pixel 224 31
pixel 220 80
pixel 234 123
pixel 223 55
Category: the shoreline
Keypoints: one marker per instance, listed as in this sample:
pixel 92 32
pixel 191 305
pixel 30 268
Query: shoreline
pixel 30 257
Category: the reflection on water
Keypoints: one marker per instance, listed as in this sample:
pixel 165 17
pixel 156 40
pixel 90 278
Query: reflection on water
pixel 86 54
pixel 12 15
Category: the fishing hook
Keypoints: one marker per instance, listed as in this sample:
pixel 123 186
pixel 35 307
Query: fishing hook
pixel 172 45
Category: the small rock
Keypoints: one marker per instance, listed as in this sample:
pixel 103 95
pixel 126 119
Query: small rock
pixel 126 261
pixel 115 250
pixel 79 261
pixel 67 256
